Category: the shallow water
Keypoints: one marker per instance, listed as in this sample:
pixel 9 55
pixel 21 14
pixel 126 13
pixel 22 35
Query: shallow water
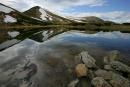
pixel 48 61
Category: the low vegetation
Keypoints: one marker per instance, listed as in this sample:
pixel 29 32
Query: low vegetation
pixel 77 26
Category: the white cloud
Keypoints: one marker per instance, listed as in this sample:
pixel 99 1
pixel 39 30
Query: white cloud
pixel 20 5
pixel 116 16
pixel 53 5
pixel 58 6
pixel 63 4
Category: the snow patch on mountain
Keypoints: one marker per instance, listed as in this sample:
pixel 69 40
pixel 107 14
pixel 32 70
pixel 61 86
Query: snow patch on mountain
pixel 43 14
pixel 50 18
pixel 37 19
pixel 5 9
pixel 77 19
pixel 9 19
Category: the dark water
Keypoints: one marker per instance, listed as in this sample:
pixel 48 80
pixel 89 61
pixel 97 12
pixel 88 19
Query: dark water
pixel 47 58
pixel 106 40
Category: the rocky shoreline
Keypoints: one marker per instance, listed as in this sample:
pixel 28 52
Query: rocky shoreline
pixel 77 71
pixel 114 74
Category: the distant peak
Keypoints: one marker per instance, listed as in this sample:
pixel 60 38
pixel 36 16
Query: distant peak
pixel 37 7
pixel 91 17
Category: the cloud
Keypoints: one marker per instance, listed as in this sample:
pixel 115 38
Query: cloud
pixel 59 7
pixel 116 16
pixel 20 5
pixel 53 5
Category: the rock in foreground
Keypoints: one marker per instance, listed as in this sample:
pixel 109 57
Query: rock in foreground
pixel 88 60
pixel 119 66
pixel 73 83
pixel 81 70
pixel 112 56
pixel 100 82
pixel 115 79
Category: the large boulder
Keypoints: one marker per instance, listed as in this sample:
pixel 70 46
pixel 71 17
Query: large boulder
pixel 103 73
pixel 88 60
pixel 116 80
pixel 100 82
pixel 119 66
pixel 119 81
pixel 112 56
pixel 81 70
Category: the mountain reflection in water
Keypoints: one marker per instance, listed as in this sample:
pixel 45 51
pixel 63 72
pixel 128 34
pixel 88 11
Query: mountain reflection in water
pixel 33 61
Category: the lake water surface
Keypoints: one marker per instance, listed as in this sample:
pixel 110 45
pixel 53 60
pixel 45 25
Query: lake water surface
pixel 43 47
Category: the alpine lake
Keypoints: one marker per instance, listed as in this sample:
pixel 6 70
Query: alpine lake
pixel 48 57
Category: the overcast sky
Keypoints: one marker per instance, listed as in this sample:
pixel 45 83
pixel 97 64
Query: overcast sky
pixel 114 10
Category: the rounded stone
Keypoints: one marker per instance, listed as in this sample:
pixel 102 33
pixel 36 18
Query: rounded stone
pixel 81 70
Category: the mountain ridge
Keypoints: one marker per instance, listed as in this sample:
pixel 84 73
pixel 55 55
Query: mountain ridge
pixel 37 15
pixel 8 13
pixel 43 14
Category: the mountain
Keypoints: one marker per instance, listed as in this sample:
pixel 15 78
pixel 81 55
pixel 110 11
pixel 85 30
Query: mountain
pixel 92 19
pixel 37 15
pixel 45 15
pixel 88 19
pixel 12 16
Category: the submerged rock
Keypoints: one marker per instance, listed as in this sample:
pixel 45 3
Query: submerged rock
pixel 107 67
pixel 20 77
pixel 91 74
pixel 84 82
pixel 107 75
pixel 100 82
pixel 119 81
pixel 119 66
pixel 112 56
pixel 116 80
pixel 81 70
pixel 24 84
pixel 73 83
pixel 88 60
